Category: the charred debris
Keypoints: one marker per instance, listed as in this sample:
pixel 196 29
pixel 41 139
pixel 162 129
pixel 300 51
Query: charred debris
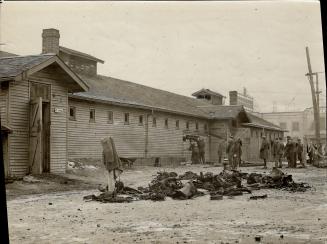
pixel 228 183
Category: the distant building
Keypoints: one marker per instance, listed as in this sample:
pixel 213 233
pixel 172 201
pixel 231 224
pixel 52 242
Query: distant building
pixel 236 98
pixel 299 124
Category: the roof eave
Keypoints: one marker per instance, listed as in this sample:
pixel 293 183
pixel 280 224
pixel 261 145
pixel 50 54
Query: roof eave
pixel 135 106
pixel 82 56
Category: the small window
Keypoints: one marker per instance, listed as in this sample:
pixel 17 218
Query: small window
pixel 154 122
pixel 197 126
pixel 92 115
pixel 205 126
pixel 283 125
pixel 110 117
pixel 177 124
pixel 187 125
pixel 166 123
pixel 72 113
pixel 141 120
pixel 126 118
pixel 295 126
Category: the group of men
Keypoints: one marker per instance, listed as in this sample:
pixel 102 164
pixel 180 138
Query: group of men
pixel 198 151
pixel 292 151
pixel 233 151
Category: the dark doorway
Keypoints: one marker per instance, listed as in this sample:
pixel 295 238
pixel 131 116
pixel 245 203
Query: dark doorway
pixel 45 137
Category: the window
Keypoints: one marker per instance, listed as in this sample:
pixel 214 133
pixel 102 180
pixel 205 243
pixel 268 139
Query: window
pixel 40 90
pixel 295 126
pixel 166 123
pixel 126 118
pixel 197 126
pixel 110 117
pixel 205 127
pixel 283 125
pixel 92 115
pixel 187 125
pixel 141 120
pixel 177 124
pixel 154 122
pixel 72 113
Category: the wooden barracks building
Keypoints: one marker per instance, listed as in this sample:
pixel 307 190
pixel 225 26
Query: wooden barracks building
pixel 55 107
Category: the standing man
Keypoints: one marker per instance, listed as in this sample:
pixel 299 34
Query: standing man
pixel 275 148
pixel 237 153
pixel 202 146
pixel 299 152
pixel 290 152
pixel 230 151
pixel 280 152
pixel 264 151
pixel 195 158
pixel 220 151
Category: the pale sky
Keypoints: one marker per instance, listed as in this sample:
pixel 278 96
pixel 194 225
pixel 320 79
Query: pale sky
pixel 185 46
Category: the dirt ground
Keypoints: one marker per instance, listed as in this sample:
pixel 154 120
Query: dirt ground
pixel 53 211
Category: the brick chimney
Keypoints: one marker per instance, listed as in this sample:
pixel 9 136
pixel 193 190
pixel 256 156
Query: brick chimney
pixel 50 41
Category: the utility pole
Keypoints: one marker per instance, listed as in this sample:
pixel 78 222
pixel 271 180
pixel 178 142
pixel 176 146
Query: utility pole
pixel 314 98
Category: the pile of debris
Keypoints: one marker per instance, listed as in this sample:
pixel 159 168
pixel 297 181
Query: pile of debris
pixel 226 183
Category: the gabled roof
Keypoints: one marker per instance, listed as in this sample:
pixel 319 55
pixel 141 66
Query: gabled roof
pixel 256 121
pixel 20 67
pixel 223 111
pixel 6 54
pixel 205 92
pixel 110 90
pixel 80 54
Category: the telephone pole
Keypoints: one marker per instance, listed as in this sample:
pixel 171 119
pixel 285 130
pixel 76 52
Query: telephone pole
pixel 314 94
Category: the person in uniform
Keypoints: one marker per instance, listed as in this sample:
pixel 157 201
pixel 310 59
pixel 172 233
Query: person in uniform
pixel 220 151
pixel 237 153
pixel 195 158
pixel 290 153
pixel 299 152
pixel 201 146
pixel 264 151
pixel 230 150
pixel 275 147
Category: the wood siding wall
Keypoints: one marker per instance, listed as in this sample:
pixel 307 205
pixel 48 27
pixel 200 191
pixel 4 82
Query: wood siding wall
pixel 84 136
pixel 19 121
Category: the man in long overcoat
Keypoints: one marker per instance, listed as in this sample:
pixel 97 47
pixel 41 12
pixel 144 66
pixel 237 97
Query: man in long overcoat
pixel 201 146
pixel 237 153
pixel 264 151
pixel 230 150
pixel 299 152
pixel 290 153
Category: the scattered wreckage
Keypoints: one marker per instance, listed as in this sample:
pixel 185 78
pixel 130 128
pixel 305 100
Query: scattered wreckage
pixel 228 183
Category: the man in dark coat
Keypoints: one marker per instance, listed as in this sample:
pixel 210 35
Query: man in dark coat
pixel 264 151
pixel 195 158
pixel 278 151
pixel 201 146
pixel 220 151
pixel 230 151
pixel 237 153
pixel 299 152
pixel 290 153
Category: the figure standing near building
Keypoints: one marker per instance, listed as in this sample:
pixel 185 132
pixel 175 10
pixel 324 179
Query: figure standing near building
pixel 195 158
pixel 112 162
pixel 230 150
pixel 290 153
pixel 264 151
pixel 237 153
pixel 201 146
pixel 275 148
pixel 220 151
pixel 299 152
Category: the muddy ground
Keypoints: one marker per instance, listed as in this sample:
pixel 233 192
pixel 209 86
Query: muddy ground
pixel 53 211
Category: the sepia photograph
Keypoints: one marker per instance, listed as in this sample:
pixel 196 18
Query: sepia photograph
pixel 163 122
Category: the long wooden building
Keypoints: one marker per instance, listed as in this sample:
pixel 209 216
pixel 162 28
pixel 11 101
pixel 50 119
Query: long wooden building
pixel 55 107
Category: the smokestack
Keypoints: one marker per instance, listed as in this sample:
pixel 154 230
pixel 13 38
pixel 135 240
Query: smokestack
pixel 50 41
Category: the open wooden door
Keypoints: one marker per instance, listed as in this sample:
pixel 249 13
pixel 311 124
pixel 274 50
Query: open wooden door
pixel 35 147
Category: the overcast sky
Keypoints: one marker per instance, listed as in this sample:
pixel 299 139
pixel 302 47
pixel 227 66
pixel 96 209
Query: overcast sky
pixel 185 46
